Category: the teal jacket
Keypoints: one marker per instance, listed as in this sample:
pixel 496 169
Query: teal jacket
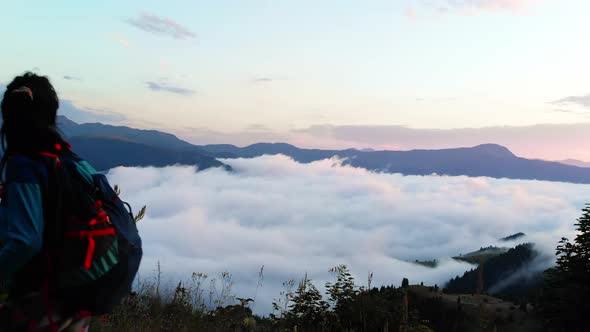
pixel 21 212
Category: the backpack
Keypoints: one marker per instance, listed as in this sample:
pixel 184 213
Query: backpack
pixel 91 243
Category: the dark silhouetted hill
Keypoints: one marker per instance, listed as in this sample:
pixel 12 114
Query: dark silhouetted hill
pixel 106 146
pixel 105 153
pixel 148 137
pixel 481 255
pixel 509 274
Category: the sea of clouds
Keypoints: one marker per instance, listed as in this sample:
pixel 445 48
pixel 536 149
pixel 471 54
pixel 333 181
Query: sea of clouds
pixel 297 218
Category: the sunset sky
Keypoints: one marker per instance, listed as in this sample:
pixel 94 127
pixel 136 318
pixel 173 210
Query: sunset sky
pixel 303 71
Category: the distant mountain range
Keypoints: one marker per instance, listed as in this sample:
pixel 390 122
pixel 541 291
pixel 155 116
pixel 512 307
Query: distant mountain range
pixel 483 160
pixel 107 146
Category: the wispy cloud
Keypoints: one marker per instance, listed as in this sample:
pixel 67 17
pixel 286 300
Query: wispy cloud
pixel 71 78
pixel 169 88
pixel 161 26
pixel 583 101
pixel 262 80
pixel 267 79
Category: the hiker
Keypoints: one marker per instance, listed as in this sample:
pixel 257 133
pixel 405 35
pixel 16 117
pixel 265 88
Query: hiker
pixel 69 249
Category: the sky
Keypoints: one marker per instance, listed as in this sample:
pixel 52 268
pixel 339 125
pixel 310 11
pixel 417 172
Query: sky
pixel 264 69
pixel 297 218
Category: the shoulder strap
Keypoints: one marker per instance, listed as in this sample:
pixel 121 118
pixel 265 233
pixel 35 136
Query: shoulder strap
pixel 52 191
pixel 52 202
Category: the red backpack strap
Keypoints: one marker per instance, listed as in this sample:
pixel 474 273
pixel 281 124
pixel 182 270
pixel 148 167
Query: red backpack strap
pixel 56 151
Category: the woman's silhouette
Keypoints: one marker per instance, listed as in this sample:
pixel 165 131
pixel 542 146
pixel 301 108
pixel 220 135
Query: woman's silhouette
pixel 29 111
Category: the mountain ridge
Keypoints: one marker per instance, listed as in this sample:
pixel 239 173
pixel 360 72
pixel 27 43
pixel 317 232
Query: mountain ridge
pixel 575 162
pixel 491 160
pixel 108 152
pixel 107 146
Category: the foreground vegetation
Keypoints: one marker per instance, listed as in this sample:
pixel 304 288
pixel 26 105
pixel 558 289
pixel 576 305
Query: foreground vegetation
pixel 208 304
pixel 301 307
pixel 559 302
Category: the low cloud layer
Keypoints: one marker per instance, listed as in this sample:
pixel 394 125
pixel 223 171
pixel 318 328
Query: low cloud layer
pixel 296 218
pixel 161 26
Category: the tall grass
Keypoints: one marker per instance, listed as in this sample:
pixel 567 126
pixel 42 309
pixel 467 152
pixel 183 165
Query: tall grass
pixel 201 303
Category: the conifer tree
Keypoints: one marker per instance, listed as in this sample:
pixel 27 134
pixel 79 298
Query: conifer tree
pixel 341 294
pixel 565 301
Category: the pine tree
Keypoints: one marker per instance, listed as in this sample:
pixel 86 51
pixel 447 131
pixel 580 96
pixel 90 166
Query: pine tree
pixel 341 294
pixel 581 248
pixel 565 301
